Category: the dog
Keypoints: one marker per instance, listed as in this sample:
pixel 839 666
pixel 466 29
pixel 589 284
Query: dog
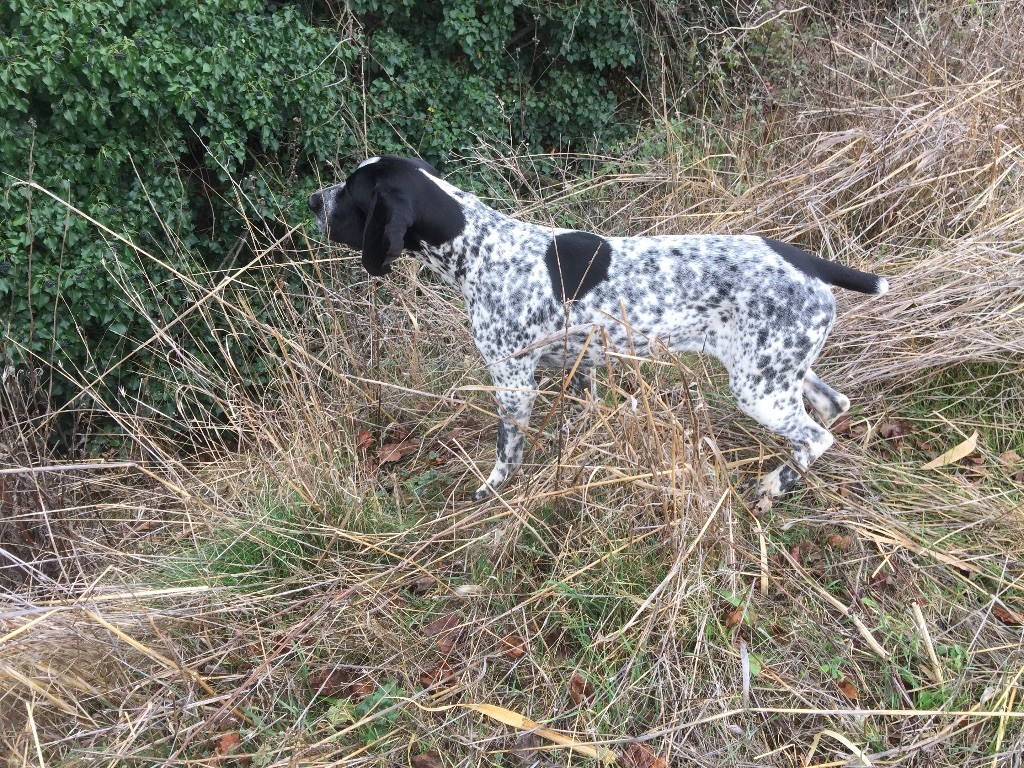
pixel 537 295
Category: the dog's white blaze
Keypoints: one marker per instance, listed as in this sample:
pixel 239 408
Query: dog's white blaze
pixel 450 189
pixel 367 161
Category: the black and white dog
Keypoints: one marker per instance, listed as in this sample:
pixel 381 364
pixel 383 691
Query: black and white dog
pixel 543 296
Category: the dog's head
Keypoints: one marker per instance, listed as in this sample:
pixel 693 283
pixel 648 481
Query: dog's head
pixel 386 205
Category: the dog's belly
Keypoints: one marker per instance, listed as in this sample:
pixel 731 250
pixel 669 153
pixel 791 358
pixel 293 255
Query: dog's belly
pixel 594 342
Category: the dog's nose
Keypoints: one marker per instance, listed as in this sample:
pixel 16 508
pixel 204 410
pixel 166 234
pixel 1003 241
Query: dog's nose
pixel 316 203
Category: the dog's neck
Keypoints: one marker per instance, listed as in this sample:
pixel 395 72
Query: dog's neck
pixel 454 261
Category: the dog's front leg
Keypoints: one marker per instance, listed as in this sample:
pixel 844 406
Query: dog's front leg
pixel 515 390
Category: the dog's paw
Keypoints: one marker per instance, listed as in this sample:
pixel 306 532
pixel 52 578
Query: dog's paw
pixel 776 483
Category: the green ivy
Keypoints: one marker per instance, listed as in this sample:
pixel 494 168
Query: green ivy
pixel 139 113
pixel 444 74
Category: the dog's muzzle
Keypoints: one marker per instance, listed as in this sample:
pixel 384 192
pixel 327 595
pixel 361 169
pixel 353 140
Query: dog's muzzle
pixel 317 206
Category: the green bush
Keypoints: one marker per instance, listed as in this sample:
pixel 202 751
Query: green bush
pixel 527 72
pixel 140 113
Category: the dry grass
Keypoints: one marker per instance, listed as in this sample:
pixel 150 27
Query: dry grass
pixel 329 606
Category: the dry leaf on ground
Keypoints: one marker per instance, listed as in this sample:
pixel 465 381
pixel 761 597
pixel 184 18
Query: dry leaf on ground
pixel 392 452
pixel 513 646
pixel 953 455
pixel 516 720
pixel 840 542
pixel 227 746
pixel 1005 615
pixel 440 624
pixel 336 684
pixel 895 429
pixel 891 434
pixel 422 584
pixel 841 425
pixel 734 618
pixel 329 683
pixel 848 689
pixel 580 690
pixel 1010 457
pixel 642 756
pixel 429 759
pixel 439 674
pixel 364 439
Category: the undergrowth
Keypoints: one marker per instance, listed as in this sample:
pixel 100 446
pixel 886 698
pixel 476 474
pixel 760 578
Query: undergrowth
pixel 315 588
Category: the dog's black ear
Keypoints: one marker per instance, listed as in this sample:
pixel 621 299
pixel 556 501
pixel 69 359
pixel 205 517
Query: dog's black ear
pixel 390 217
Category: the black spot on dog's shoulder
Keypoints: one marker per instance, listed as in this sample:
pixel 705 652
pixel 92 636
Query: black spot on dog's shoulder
pixel 577 262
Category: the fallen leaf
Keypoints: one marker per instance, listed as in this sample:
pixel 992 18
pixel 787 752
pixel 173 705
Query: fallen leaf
pixel 524 752
pixel 392 452
pixel 227 746
pixel 422 585
pixel 842 543
pixel 439 674
pixel 228 743
pixel 847 689
pixel 516 720
pixel 329 683
pixel 841 425
pixel 580 690
pixel 513 646
pixel 364 439
pixel 360 689
pixel 557 640
pixel 440 624
pixel 734 618
pixel 895 429
pixel 336 684
pixel 429 759
pixel 851 489
pixel 642 756
pixel 1010 457
pixel 1007 616
pixel 446 643
pixel 881 580
pixel 953 455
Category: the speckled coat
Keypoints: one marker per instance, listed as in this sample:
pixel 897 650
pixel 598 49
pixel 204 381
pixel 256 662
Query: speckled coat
pixel 542 296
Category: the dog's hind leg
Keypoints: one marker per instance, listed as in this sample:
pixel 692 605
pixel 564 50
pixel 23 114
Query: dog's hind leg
pixel 515 390
pixel 783 413
pixel 826 403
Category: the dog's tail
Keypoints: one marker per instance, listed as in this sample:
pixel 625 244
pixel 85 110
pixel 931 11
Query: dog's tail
pixel 830 272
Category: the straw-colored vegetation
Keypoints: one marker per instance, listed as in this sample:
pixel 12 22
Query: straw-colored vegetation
pixel 325 594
